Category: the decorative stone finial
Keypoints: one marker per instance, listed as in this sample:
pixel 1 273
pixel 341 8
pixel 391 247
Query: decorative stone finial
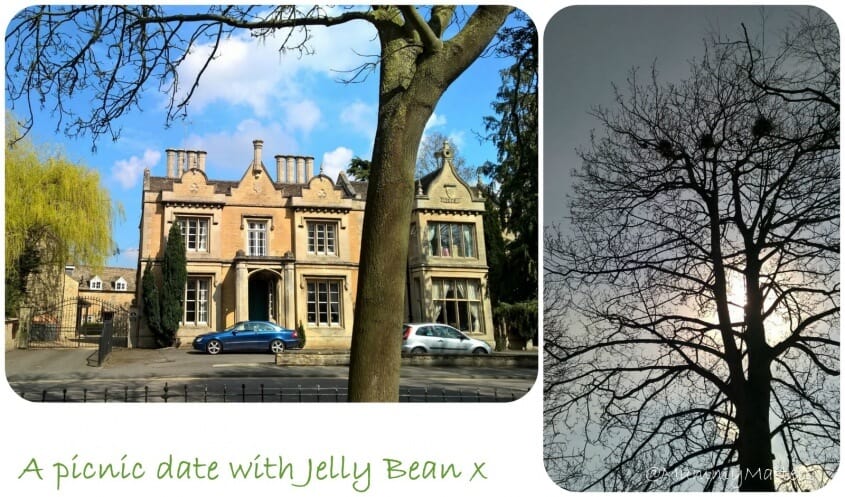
pixel 444 154
pixel 479 186
pixel 447 150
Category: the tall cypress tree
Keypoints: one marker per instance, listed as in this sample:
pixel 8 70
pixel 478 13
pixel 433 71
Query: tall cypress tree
pixel 174 275
pixel 152 304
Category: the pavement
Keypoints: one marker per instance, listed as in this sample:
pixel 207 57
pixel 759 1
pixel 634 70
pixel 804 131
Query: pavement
pixel 72 364
pixel 135 364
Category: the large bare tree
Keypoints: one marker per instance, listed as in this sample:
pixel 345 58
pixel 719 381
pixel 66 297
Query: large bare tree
pixel 692 305
pixel 428 161
pixel 118 51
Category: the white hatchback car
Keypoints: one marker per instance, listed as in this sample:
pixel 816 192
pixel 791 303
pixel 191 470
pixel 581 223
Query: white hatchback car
pixel 438 338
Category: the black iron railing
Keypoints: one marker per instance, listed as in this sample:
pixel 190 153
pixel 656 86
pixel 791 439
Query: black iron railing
pixel 241 393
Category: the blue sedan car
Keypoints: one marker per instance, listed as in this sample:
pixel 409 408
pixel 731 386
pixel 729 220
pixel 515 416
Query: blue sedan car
pixel 249 336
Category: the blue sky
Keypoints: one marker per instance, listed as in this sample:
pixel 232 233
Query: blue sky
pixel 297 105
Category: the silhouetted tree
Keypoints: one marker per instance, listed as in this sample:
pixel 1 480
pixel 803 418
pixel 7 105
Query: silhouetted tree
pixel 692 309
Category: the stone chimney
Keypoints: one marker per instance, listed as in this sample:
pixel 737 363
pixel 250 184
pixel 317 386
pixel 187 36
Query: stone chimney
pixel 192 160
pixel 291 168
pixel 171 162
pixel 201 160
pixel 300 169
pixel 280 168
pixel 180 163
pixel 309 168
pixel 257 145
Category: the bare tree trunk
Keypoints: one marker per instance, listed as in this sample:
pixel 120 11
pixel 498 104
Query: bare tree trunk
pixel 377 336
pixel 415 72
pixel 755 444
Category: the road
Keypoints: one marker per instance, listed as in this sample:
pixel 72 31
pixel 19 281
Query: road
pixel 182 376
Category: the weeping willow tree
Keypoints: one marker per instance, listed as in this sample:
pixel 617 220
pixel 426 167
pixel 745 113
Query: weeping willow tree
pixel 56 213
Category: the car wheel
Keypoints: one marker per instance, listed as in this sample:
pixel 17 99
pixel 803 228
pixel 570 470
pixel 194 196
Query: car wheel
pixel 417 351
pixel 479 351
pixel 277 346
pixel 214 347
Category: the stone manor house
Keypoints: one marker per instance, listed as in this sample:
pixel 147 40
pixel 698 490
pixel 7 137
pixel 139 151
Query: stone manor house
pixel 285 248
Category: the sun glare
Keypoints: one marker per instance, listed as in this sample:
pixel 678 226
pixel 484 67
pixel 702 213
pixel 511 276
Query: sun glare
pixel 776 328
pixel 736 297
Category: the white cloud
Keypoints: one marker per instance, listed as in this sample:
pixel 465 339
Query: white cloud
pixel 243 73
pixel 361 117
pixel 128 257
pixel 336 161
pixel 435 121
pixel 252 72
pixel 340 50
pixel 457 138
pixel 127 172
pixel 302 115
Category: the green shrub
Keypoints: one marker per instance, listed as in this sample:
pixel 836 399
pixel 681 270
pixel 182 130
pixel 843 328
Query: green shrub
pixel 520 317
pixel 300 330
pixel 91 329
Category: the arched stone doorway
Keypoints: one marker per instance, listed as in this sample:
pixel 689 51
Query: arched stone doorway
pixel 264 289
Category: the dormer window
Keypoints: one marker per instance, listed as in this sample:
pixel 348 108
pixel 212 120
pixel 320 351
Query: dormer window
pixel 95 284
pixel 120 284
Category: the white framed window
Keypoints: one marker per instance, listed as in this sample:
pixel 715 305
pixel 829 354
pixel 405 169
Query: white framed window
pixel 324 302
pixel 256 237
pixel 95 284
pixel 120 284
pixel 322 237
pixel 451 239
pixel 196 301
pixel 194 233
pixel 457 302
